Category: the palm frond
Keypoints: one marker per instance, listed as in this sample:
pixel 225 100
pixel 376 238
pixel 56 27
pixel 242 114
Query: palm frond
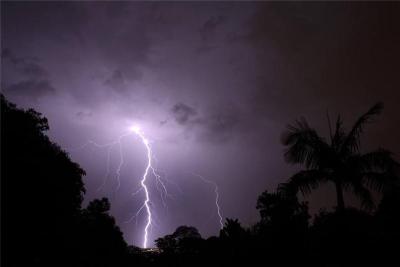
pixel 378 160
pixel 376 181
pixel 329 125
pixel 364 195
pixel 286 190
pixel 304 144
pixel 339 135
pixel 352 142
pixel 306 181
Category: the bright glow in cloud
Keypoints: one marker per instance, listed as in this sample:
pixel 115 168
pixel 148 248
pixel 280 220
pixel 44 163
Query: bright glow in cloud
pixel 135 129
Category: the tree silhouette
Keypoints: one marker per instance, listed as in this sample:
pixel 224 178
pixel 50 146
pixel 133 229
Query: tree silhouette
pixel 235 240
pixel 339 161
pixel 283 226
pixel 348 235
pixel 100 240
pixel 41 196
pixel 183 232
pixel 282 207
pixel 185 240
pixel 232 231
pixel 41 189
pixel 166 244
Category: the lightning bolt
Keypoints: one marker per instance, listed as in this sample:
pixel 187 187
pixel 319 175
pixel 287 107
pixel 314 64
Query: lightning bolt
pixel 109 146
pixel 121 161
pixel 214 184
pixel 146 143
pixel 150 170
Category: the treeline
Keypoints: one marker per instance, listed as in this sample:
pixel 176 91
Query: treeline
pixel 287 235
pixel 44 223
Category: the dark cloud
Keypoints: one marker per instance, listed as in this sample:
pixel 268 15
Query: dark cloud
pixel 84 114
pixel 208 34
pixel 116 81
pixel 208 29
pixel 25 66
pixel 33 69
pixel 320 53
pixel 215 125
pixel 127 50
pixel 32 88
pixel 6 54
pixel 31 79
pixel 221 125
pixel 205 49
pixel 56 21
pixel 183 113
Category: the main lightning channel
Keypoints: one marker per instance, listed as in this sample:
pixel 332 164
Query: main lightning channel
pixel 149 170
pixel 146 143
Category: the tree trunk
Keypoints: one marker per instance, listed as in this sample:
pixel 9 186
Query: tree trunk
pixel 339 195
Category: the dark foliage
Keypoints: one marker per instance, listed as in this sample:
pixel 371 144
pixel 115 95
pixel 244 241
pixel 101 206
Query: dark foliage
pixel 339 160
pixel 100 240
pixel 284 223
pixel 41 189
pixel 185 243
pixel 235 241
pixel 41 196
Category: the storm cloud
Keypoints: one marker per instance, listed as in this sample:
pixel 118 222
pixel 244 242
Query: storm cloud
pixel 24 76
pixel 183 113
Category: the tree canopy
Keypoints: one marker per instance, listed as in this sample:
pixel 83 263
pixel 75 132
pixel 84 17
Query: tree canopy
pixel 41 197
pixel 338 160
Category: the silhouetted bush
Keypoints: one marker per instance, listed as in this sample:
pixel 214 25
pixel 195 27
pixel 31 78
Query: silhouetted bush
pixel 41 190
pixel 185 240
pixel 284 224
pixel 41 196
pixel 100 240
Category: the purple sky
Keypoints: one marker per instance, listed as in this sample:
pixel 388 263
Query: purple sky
pixel 212 85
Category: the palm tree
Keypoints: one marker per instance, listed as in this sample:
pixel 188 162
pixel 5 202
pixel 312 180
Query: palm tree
pixel 338 160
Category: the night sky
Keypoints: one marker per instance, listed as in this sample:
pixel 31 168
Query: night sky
pixel 212 85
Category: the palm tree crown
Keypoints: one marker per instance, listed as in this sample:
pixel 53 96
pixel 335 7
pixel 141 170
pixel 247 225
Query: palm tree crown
pixel 338 160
